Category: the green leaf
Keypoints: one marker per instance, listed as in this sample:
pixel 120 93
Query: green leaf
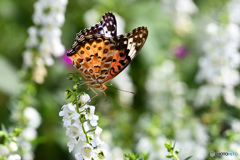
pixel 68 93
pixel 169 156
pixel 188 158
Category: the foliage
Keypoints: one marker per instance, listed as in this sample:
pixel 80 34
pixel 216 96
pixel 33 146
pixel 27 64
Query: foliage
pixel 185 78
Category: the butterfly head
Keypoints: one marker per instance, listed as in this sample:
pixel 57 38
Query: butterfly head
pixel 103 87
pixel 98 86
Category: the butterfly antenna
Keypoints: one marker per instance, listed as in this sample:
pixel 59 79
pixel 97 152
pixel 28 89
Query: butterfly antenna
pixel 120 89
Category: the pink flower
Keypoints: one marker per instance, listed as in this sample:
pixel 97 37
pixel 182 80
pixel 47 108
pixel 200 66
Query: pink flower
pixel 66 60
pixel 180 52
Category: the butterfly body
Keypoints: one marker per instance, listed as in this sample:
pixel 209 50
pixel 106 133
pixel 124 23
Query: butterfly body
pixel 99 55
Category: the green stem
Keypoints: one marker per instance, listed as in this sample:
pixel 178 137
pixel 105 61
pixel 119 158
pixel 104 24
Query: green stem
pixel 85 133
pixel 77 108
pixel 174 155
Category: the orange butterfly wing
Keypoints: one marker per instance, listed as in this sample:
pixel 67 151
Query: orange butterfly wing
pixel 92 57
pixel 126 49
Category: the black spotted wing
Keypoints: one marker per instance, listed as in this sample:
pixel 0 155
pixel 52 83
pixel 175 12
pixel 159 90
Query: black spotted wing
pixel 127 47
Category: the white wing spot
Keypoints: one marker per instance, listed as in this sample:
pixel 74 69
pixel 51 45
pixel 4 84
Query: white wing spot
pixel 132 51
pixel 139 44
pixel 106 33
pixel 129 43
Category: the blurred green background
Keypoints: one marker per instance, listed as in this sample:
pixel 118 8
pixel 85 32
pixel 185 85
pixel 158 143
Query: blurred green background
pixel 149 117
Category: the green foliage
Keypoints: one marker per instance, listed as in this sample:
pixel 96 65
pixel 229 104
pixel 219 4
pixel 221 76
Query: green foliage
pixel 170 147
pixel 135 157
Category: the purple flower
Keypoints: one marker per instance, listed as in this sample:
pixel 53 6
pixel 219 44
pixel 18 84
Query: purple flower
pixel 180 52
pixel 66 60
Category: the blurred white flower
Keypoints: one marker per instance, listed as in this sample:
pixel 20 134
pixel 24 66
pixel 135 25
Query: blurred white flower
pixel 144 145
pixel 125 82
pixel 32 116
pixel 192 140
pixel 40 71
pixel 234 11
pixel 120 24
pixel 14 157
pixel 91 17
pixel 154 147
pixel 235 125
pixel 115 153
pixel 29 133
pixel 13 147
pixel 26 145
pixel 32 40
pixel 186 6
pixel 3 150
pixel 181 10
pixel 183 24
pixel 28 58
pixel 44 39
pixel 235 147
pixel 165 89
pixel 219 64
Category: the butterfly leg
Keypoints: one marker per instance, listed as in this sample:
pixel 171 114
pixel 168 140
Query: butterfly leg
pixel 87 89
pixel 105 96
pixel 96 94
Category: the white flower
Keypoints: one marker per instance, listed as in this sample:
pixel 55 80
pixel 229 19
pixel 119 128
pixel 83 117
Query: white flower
pixel 32 116
pixel 93 118
pixel 144 145
pixel 84 98
pixel 88 152
pixel 12 147
pixel 14 157
pixel 96 140
pixel 219 64
pixel 79 156
pixel 71 144
pixel 32 40
pixel 28 58
pixel 120 24
pixel 40 71
pixel 46 35
pixel 182 10
pixel 91 17
pixel 68 113
pixel 29 133
pixel 26 145
pixel 3 150
pixel 78 129
pixel 126 81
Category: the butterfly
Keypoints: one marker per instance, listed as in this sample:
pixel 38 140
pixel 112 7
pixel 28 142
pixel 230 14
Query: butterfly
pixel 99 55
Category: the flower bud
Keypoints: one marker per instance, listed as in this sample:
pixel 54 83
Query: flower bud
pixel 84 98
pixel 12 147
